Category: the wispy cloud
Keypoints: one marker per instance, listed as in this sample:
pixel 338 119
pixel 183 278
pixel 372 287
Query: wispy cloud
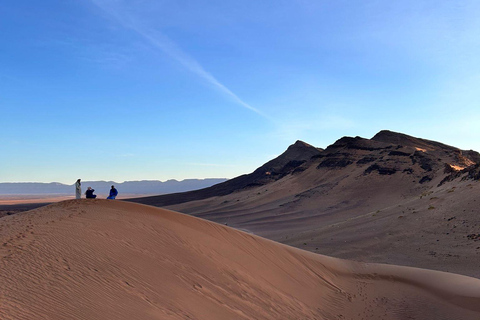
pixel 115 9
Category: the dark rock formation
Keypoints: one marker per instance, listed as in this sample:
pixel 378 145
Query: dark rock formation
pixel 380 170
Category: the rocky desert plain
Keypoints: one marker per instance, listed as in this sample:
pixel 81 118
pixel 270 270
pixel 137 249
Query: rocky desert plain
pixel 380 228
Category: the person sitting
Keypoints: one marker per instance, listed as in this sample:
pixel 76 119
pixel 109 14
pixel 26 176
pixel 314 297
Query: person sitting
pixel 113 193
pixel 89 193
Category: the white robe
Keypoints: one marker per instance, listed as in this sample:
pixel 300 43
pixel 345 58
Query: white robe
pixel 78 190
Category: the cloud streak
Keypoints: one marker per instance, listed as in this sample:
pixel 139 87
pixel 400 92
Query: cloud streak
pixel 167 46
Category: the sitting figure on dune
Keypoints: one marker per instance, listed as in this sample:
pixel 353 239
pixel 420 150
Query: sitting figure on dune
pixel 113 193
pixel 89 193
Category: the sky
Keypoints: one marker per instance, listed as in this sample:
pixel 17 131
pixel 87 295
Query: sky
pixel 171 89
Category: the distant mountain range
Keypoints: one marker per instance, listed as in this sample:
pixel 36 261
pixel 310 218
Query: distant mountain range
pixel 128 187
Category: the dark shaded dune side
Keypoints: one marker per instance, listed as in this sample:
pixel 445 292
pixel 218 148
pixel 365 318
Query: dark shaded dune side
pixel 7 209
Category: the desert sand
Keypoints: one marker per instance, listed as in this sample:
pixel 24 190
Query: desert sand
pixel 100 259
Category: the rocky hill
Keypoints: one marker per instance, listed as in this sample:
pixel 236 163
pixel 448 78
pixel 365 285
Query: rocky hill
pixel 424 162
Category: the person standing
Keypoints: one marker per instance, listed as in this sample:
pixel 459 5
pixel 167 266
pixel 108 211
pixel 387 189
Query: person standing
pixel 113 193
pixel 78 189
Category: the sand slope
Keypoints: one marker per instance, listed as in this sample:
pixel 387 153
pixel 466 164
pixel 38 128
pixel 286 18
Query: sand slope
pixel 102 259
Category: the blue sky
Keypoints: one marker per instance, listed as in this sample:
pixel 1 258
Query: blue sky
pixel 143 89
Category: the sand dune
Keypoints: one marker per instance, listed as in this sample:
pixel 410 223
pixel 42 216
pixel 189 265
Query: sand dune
pixel 100 259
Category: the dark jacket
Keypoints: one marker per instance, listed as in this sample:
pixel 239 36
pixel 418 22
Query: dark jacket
pixel 113 192
pixel 89 194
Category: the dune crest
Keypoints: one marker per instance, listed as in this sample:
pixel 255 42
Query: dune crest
pixel 101 259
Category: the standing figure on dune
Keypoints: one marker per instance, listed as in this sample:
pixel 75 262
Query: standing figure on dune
pixel 113 193
pixel 78 189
